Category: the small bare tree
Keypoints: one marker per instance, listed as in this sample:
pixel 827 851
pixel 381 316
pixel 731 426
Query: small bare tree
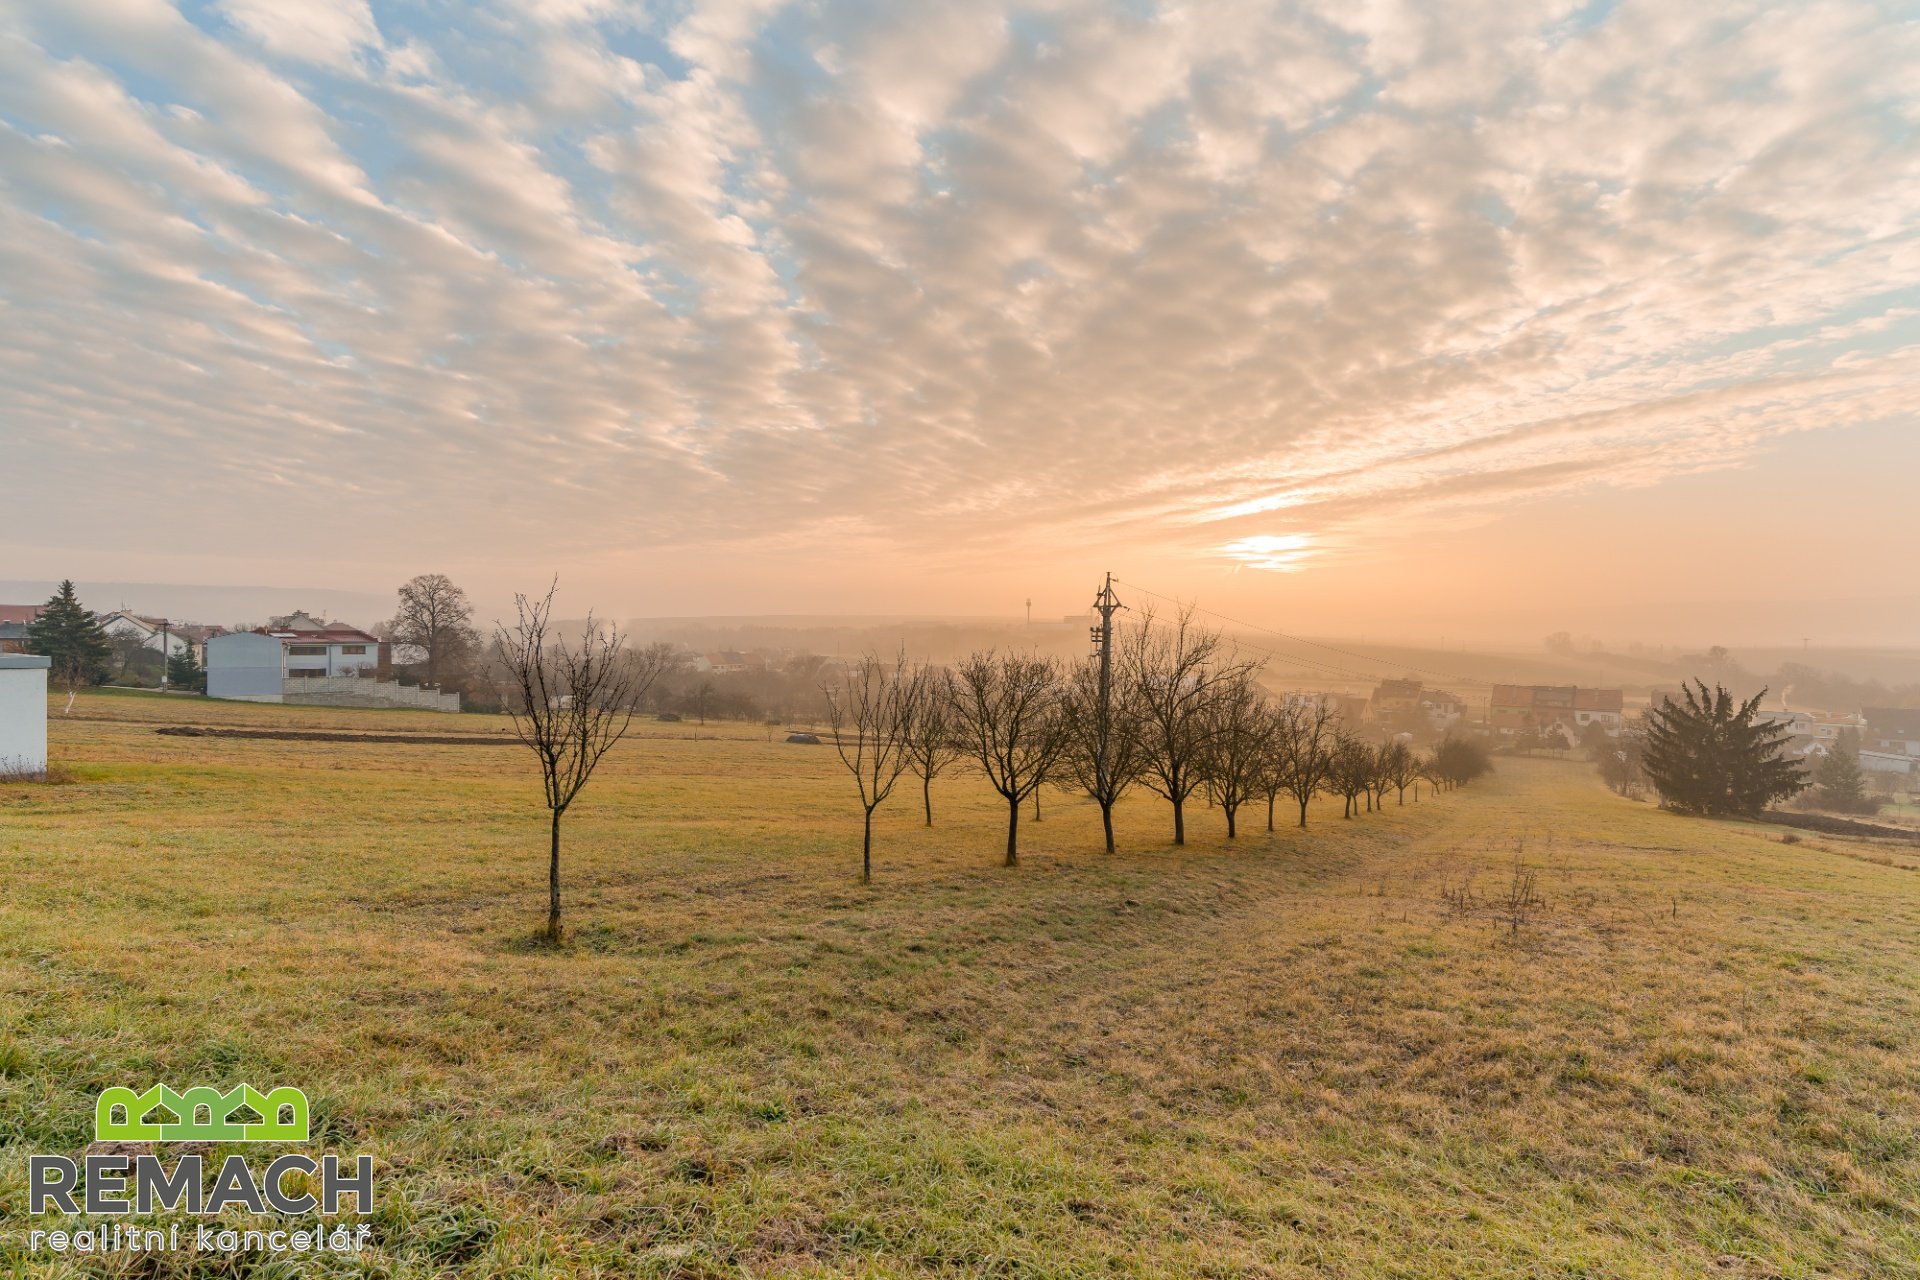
pixel 1401 766
pixel 570 704
pixel 879 707
pixel 1233 748
pixel 1106 742
pixel 1350 771
pixel 1173 670
pixel 933 747
pixel 1304 735
pixel 1007 711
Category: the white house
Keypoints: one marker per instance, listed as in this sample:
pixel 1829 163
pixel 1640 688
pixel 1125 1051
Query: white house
pixel 1892 730
pixel 23 713
pixel 254 666
pixel 154 633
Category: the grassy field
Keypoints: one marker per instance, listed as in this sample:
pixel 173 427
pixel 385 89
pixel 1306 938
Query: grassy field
pixel 1331 1053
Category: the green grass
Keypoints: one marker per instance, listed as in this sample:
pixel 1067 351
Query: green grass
pixel 1318 1054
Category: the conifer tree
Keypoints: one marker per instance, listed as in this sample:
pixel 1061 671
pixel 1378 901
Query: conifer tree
pixel 184 673
pixel 67 632
pixel 1839 781
pixel 1705 755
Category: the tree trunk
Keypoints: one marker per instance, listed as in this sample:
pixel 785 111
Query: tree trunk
pixel 866 851
pixel 926 796
pixel 1303 812
pixel 1013 831
pixel 1179 821
pixel 1230 812
pixel 1269 813
pixel 553 883
pixel 1106 821
pixel 1036 804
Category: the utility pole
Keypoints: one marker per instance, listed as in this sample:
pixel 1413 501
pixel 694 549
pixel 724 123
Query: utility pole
pixel 166 649
pixel 1106 604
pixel 1029 613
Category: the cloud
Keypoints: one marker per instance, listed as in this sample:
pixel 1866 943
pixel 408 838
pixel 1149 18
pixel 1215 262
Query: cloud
pixel 929 278
pixel 325 31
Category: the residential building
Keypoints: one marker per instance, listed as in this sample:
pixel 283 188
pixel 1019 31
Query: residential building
pixel 153 633
pixel 1443 709
pixel 255 666
pixel 729 661
pixel 1604 707
pixel 1891 729
pixel 1538 708
pixel 1397 700
pixel 14 621
pixel 1395 697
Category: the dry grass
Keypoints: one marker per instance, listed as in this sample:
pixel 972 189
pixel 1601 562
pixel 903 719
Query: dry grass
pixel 1354 1052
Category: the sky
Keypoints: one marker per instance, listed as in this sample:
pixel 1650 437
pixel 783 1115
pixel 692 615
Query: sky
pixel 1347 316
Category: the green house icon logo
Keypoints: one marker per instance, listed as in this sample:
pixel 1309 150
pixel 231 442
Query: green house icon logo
pixel 201 1114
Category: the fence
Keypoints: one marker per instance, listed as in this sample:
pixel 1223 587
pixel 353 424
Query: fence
pixel 359 691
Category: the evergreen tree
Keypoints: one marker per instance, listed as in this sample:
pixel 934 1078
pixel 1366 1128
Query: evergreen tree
pixel 1840 782
pixel 184 673
pixel 67 632
pixel 1707 756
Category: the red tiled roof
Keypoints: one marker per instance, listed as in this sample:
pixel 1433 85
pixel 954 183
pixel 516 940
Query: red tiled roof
pixel 20 612
pixel 1598 700
pixel 1512 695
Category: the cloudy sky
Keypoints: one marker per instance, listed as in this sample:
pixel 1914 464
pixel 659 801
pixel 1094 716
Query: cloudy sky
pixel 1323 311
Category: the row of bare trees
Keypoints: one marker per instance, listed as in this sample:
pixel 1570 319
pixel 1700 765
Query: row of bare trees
pixel 1176 711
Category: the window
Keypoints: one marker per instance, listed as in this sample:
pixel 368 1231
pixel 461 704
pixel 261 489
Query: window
pixel 307 650
pixel 353 649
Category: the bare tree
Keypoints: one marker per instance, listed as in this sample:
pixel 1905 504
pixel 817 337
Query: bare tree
pixel 1106 741
pixel 1350 771
pixel 1006 710
pixel 1233 748
pixel 880 707
pixel 1172 671
pixel 435 617
pixel 934 747
pixel 570 704
pixel 1304 735
pixel 1401 768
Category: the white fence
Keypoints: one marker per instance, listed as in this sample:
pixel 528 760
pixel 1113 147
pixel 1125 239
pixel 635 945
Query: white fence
pixel 358 691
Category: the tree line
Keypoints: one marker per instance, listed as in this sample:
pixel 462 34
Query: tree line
pixel 1174 712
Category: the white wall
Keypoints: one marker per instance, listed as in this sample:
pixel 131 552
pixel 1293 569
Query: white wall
pixel 335 661
pixel 244 665
pixel 23 713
